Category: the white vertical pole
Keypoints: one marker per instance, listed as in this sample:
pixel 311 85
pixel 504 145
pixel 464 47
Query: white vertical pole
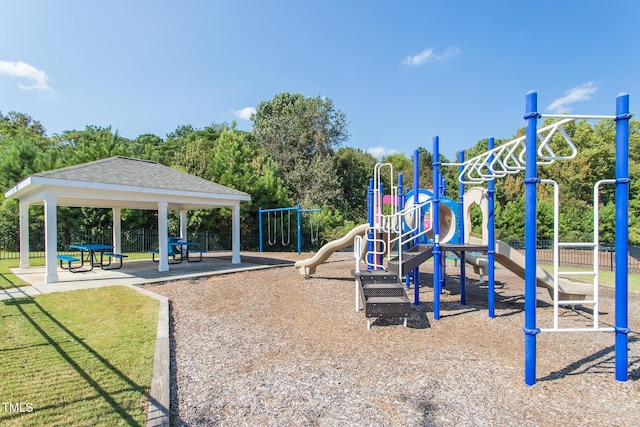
pixel 116 227
pixel 163 237
pixel 24 235
pixel 183 224
pixel 235 235
pixel 50 238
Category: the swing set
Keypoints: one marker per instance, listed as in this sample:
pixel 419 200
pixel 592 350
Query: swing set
pixel 285 235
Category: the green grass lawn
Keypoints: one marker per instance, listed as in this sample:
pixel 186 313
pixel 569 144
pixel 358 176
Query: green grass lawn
pixel 605 277
pixel 77 358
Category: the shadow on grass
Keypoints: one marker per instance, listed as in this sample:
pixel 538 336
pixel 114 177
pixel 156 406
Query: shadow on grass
pixel 6 281
pixel 7 285
pixel 54 334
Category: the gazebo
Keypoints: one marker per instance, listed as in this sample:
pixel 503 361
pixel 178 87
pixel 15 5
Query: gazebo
pixel 117 183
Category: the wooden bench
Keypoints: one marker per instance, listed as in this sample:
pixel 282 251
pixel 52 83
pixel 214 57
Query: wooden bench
pixel 68 259
pixel 111 255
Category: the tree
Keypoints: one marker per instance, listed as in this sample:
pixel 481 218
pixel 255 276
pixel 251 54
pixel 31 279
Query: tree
pixel 188 148
pixel 354 169
pixel 18 158
pixel 301 135
pixel 425 164
pixel 401 165
pixel 146 146
pixel 237 162
pixel 93 143
pixel 14 122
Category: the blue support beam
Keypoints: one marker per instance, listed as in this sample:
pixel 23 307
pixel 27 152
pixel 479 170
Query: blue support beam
pixel 491 243
pixel 435 224
pixel 622 237
pixel 530 233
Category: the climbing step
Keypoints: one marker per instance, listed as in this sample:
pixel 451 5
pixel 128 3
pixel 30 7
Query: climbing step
pixel 387 307
pixel 382 295
pixel 410 259
pixel 383 290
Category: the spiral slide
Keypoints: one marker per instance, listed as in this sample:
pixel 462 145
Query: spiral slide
pixel 308 266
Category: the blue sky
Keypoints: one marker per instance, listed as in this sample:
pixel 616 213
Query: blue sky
pixel 401 72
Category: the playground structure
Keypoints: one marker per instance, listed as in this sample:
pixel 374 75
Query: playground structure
pixel 272 230
pixel 406 226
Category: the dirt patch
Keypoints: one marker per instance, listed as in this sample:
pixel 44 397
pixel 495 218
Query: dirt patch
pixel 269 347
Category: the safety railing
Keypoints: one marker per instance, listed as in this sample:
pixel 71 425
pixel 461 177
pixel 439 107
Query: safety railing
pixel 401 229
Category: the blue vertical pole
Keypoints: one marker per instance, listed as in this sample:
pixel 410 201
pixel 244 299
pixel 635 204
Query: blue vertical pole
pixel 370 218
pixel 418 214
pixel 530 236
pixel 622 236
pixel 463 267
pixel 491 243
pixel 299 228
pixel 407 276
pixel 435 221
pixel 260 226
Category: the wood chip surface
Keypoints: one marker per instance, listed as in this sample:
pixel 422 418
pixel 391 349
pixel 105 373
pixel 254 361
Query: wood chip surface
pixel 271 348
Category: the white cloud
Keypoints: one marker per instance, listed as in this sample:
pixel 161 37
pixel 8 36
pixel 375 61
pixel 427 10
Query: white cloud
pixel 573 95
pixel 245 113
pixel 429 54
pixel 37 78
pixel 379 152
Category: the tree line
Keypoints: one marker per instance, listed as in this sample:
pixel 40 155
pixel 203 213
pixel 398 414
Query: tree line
pixel 297 153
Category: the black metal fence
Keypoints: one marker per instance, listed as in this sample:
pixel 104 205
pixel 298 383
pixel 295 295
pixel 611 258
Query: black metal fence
pixel 132 241
pixel 143 240
pixel 582 257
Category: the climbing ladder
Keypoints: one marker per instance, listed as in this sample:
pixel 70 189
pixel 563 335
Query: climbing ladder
pixel 593 272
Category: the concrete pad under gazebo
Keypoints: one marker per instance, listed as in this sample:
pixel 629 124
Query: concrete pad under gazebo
pixel 117 183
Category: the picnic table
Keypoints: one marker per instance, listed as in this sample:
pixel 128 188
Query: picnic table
pixel 93 250
pixel 180 250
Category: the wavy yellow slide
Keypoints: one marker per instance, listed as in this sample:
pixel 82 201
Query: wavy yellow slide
pixel 308 266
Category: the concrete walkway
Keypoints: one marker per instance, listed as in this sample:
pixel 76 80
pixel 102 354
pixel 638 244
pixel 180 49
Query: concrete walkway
pixel 133 272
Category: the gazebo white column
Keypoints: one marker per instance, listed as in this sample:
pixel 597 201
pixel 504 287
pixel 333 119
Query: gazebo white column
pixel 235 235
pixel 163 237
pixel 51 238
pixel 116 227
pixel 24 235
pixel 183 224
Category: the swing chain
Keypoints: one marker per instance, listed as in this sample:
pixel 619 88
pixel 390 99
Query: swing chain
pixel 275 228
pixel 282 240
pixel 314 237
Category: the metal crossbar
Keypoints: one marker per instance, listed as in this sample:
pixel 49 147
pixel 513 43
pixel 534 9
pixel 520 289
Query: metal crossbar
pixel 509 158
